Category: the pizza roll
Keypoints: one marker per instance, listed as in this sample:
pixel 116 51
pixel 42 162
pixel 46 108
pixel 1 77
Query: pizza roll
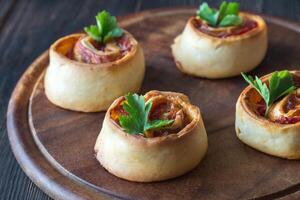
pixel 87 75
pixel 171 142
pixel 216 51
pixel 273 129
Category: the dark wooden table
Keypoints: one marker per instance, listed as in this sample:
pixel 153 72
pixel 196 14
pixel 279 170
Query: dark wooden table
pixel 28 27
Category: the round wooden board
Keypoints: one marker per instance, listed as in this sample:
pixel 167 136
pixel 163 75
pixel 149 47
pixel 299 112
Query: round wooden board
pixel 55 146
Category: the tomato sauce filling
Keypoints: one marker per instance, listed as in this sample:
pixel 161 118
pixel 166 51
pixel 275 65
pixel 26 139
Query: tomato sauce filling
pixel 163 110
pixel 245 27
pixel 89 51
pixel 291 106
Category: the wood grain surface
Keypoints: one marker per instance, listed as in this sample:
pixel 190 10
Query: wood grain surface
pixel 231 170
pixel 28 27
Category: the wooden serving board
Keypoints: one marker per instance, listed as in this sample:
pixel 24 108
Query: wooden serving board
pixel 55 146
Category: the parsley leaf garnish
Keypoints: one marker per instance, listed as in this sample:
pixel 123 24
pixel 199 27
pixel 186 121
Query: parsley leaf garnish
pixel 137 120
pixel 227 15
pixel 106 28
pixel 280 84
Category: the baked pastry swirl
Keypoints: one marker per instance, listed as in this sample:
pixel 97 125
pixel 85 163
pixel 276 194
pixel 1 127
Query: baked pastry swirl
pixel 86 75
pixel 219 52
pixel 286 111
pixel 276 133
pixel 154 155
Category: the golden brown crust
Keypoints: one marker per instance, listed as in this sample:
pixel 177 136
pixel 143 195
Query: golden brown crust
pixel 199 54
pixel 287 110
pixel 91 87
pixel 136 158
pixel 273 138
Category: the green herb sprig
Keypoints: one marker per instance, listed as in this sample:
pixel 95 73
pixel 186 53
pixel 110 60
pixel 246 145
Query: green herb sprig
pixel 137 120
pixel 280 84
pixel 227 15
pixel 106 28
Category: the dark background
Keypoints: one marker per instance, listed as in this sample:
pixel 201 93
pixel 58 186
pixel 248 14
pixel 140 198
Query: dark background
pixel 28 27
